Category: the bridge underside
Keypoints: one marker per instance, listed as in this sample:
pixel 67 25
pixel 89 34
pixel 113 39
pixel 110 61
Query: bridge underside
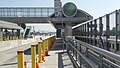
pixel 23 20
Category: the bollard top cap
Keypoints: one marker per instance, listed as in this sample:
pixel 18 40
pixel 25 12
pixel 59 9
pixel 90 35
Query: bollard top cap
pixel 33 45
pixel 40 41
pixel 20 52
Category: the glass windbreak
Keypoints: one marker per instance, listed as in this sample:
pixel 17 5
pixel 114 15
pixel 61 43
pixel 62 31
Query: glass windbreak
pixel 98 27
pixel 118 22
pixel 104 24
pixel 112 21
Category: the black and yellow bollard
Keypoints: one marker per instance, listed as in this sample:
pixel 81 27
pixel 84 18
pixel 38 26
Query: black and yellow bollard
pixel 40 51
pixel 33 53
pixel 20 59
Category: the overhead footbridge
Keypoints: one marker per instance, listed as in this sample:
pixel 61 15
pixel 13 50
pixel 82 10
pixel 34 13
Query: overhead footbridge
pixel 22 15
pixel 67 16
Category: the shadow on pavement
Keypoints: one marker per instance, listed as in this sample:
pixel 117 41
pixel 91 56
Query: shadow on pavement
pixel 60 62
pixel 28 51
pixel 8 64
pixel 58 45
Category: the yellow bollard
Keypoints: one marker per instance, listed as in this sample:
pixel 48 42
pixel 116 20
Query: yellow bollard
pixel 50 43
pixel 54 38
pixel 13 37
pixel 20 59
pixel 33 53
pixel 44 47
pixel 17 38
pixel 47 44
pixel 40 52
pixel 10 38
pixel 5 38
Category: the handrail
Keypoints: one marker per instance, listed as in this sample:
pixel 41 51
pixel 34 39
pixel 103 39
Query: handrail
pixel 103 52
pixel 86 59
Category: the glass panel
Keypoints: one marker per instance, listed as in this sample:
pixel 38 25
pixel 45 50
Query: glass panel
pixel 0 12
pixel 44 13
pixel 97 22
pixel 32 14
pixel 112 25
pixel 104 24
pixel 51 11
pixel 118 15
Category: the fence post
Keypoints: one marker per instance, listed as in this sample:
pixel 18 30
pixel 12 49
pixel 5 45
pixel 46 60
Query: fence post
pixel 33 53
pixel 20 59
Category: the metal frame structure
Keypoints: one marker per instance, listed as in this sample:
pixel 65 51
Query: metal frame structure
pixel 103 32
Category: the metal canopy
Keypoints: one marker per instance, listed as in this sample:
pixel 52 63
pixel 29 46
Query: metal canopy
pixel 79 18
pixel 9 25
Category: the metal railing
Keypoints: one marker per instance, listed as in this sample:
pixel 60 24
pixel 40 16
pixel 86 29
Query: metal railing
pixel 26 11
pixel 85 55
pixel 97 32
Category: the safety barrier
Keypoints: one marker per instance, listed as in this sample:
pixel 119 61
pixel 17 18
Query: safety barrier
pixel 99 32
pixel 85 55
pixel 43 48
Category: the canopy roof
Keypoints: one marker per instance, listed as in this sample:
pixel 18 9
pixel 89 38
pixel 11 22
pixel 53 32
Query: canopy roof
pixel 9 25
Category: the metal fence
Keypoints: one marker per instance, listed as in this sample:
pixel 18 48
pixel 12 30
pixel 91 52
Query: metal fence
pixel 103 32
pixel 84 55
pixel 26 11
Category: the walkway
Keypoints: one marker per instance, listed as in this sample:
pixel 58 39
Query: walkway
pixel 57 58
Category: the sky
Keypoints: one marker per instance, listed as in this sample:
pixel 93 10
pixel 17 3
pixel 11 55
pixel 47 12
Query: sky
pixel 96 8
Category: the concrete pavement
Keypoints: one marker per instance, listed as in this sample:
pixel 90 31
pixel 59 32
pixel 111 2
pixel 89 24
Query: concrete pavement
pixel 57 58
pixel 8 58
